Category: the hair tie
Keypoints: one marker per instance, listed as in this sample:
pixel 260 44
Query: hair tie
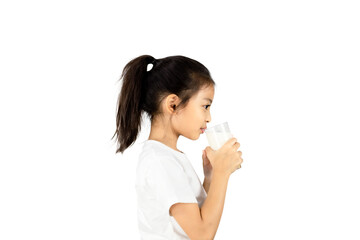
pixel 153 65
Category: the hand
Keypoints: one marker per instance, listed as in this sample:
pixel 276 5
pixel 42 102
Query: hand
pixel 226 159
pixel 207 167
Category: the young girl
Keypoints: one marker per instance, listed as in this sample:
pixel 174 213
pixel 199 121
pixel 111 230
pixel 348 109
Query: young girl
pixel 176 94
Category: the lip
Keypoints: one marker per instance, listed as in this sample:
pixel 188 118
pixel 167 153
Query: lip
pixel 202 130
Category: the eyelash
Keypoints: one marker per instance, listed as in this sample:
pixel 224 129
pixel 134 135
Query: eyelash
pixel 206 106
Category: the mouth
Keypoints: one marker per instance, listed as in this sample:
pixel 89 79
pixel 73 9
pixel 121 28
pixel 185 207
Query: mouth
pixel 202 130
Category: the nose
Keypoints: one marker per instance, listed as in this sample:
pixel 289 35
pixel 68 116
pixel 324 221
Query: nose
pixel 208 117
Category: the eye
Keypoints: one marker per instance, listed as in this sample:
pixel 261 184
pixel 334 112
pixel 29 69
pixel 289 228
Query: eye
pixel 207 106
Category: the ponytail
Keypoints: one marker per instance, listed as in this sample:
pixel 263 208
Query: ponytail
pixel 143 91
pixel 128 119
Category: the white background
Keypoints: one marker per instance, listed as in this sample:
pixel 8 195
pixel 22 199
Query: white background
pixel 287 75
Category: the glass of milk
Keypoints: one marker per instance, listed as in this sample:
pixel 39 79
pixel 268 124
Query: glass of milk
pixel 218 135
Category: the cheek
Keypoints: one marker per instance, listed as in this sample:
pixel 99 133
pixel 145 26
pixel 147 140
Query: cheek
pixel 191 119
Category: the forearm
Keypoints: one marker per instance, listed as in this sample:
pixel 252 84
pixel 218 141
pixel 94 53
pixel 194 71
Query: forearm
pixel 206 184
pixel 213 206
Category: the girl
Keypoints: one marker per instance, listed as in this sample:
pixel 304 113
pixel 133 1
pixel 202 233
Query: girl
pixel 176 94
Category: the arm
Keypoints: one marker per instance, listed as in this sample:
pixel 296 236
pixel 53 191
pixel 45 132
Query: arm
pixel 207 172
pixel 206 184
pixel 213 206
pixel 203 223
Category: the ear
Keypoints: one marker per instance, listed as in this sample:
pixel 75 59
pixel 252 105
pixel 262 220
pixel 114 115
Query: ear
pixel 171 103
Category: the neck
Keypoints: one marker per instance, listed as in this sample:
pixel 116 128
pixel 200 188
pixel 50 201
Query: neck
pixel 165 135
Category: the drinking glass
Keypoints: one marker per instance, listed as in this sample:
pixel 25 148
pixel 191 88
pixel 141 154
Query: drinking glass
pixel 218 135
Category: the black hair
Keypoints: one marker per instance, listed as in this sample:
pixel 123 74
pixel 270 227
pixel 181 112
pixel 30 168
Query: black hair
pixel 142 91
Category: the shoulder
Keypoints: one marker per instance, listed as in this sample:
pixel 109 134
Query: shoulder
pixel 156 150
pixel 154 157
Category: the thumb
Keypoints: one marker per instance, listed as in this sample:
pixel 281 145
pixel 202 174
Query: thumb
pixel 208 151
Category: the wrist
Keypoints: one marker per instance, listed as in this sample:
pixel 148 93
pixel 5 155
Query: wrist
pixel 220 174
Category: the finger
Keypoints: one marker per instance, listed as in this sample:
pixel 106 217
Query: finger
pixel 236 145
pixel 208 151
pixel 230 142
pixel 240 163
pixel 205 158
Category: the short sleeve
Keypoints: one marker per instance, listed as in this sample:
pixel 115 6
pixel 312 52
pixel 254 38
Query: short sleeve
pixel 170 183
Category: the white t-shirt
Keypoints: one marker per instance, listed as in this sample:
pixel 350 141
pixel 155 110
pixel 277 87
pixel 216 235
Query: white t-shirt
pixel 164 177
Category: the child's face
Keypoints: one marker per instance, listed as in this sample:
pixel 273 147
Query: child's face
pixel 196 114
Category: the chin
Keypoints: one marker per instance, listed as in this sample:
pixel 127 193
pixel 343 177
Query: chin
pixel 196 137
pixel 193 137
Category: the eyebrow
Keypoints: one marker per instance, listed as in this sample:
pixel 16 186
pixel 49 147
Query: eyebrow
pixel 208 99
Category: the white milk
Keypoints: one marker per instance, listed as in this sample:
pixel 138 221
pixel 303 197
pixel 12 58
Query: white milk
pixel 217 139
